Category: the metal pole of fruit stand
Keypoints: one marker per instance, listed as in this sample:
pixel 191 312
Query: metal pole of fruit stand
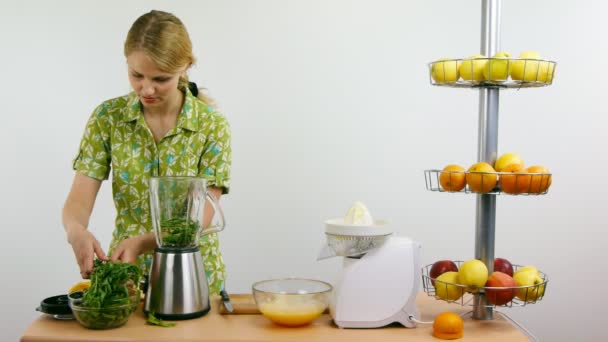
pixel 488 145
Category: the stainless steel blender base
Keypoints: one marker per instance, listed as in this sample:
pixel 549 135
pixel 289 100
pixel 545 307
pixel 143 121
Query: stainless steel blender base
pixel 177 287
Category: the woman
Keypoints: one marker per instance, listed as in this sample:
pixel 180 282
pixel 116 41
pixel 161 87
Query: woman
pixel 162 128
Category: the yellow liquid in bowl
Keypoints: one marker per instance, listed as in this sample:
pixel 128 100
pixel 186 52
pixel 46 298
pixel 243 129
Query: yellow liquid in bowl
pixel 300 314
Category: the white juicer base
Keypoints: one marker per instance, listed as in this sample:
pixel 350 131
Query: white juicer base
pixel 380 287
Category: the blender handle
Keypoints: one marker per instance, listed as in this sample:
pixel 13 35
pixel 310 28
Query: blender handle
pixel 216 209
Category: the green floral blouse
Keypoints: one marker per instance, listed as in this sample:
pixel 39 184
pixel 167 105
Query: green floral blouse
pixel 117 138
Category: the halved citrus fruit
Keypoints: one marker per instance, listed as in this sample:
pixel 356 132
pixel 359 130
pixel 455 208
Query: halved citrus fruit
pixel 80 286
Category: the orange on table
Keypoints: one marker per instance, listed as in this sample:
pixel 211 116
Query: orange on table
pixel 452 178
pixel 448 326
pixel 481 177
pixel 508 181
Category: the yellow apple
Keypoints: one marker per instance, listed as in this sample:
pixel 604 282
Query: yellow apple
pixel 474 274
pixel 498 67
pixel 526 269
pixel 528 68
pixel 471 69
pixel 445 70
pixel 507 159
pixel 530 277
pixel 444 287
pixel 481 177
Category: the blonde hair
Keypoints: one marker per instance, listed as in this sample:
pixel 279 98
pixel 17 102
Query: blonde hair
pixel 164 38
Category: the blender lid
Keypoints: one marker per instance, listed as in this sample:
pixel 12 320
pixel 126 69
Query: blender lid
pixel 337 226
pixel 56 305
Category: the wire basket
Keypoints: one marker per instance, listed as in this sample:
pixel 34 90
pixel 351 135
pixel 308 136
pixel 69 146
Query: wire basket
pixel 493 183
pixel 502 296
pixel 492 72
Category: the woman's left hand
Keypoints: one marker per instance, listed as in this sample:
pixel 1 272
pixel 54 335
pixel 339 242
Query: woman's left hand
pixel 129 249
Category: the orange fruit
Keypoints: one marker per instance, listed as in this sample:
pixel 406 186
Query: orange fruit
pixel 508 180
pixel 448 326
pixel 481 177
pixel 523 182
pixel 452 178
pixel 541 182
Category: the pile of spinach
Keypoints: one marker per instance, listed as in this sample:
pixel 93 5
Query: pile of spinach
pixel 179 232
pixel 113 294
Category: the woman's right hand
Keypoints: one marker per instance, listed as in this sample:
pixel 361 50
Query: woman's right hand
pixel 85 247
pixel 76 212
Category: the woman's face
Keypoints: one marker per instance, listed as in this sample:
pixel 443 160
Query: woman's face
pixel 155 88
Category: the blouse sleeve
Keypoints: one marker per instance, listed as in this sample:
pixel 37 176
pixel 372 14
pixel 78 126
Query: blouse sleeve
pixel 216 160
pixel 94 155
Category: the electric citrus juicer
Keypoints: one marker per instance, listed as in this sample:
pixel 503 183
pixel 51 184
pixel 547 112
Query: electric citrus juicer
pixel 177 285
pixel 380 274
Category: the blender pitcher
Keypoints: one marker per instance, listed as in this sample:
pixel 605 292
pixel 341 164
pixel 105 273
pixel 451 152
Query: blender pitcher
pixel 178 205
pixel 177 287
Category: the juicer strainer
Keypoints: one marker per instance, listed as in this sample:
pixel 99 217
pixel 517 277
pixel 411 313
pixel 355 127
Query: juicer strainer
pixel 343 239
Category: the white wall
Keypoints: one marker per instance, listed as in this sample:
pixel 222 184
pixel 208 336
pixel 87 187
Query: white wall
pixel 329 103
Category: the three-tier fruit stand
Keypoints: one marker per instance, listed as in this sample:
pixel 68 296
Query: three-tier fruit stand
pixel 536 73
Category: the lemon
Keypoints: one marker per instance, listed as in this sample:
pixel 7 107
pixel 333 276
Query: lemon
pixel 527 68
pixel 445 70
pixel 507 159
pixel 471 69
pixel 498 67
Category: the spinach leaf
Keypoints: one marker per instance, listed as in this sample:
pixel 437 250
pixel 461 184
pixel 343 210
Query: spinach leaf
pixel 153 320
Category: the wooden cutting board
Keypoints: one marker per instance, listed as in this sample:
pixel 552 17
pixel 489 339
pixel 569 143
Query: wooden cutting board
pixel 243 304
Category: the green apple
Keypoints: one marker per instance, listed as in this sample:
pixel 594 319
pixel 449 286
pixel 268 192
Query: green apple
pixel 530 277
pixel 498 67
pixel 445 70
pixel 471 69
pixel 444 287
pixel 527 69
pixel 474 274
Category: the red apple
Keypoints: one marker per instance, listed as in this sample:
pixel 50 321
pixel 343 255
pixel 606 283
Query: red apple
pixel 502 296
pixel 440 267
pixel 504 266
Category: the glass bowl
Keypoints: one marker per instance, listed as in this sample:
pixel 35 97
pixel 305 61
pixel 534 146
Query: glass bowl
pixel 107 317
pixel 292 301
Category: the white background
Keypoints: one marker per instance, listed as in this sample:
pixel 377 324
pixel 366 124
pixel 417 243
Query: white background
pixel 329 102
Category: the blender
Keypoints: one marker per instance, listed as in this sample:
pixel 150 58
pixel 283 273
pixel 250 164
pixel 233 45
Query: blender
pixel 177 285
pixel 380 272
